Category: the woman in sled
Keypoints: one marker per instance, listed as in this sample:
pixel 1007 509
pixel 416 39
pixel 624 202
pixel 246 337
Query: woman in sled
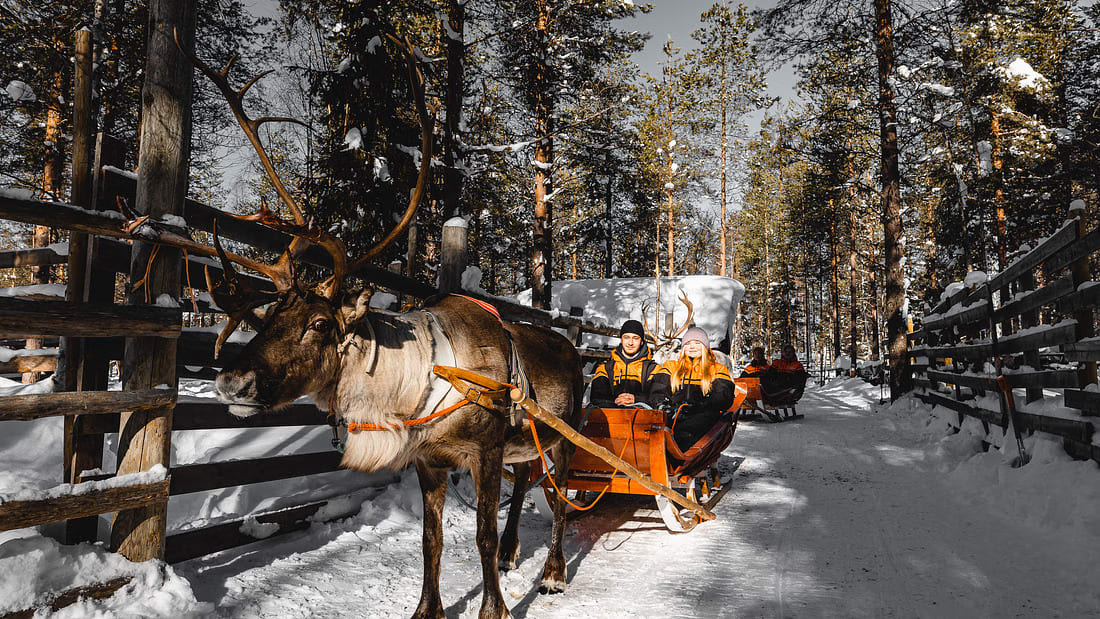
pixel 695 387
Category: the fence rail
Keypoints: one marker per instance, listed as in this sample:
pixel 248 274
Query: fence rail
pixel 1032 324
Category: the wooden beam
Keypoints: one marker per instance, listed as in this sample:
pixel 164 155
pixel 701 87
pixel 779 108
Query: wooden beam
pixel 26 407
pixel 1081 248
pixel 990 417
pixel 1088 402
pixel 1056 336
pixel 1077 430
pixel 100 591
pixel 214 415
pixel 36 257
pixel 1054 379
pixel 20 318
pixel 1034 300
pixel 988 383
pixel 22 514
pixel 214 475
pixel 1060 239
pixel 207 540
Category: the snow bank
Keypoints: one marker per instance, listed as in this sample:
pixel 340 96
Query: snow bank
pixel 614 301
pixel 35 569
pixel 1052 492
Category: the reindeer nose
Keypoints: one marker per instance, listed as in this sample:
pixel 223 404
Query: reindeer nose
pixel 235 386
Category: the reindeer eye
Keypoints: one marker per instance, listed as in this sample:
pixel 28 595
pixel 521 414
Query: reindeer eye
pixel 321 325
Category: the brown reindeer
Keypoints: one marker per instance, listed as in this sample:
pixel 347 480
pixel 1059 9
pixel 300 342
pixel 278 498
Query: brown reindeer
pixel 374 370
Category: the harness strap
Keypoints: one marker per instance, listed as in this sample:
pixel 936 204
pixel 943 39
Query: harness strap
pixel 475 389
pixel 478 389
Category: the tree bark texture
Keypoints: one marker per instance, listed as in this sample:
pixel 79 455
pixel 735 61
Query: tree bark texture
pixel 900 378
pixel 452 157
pixel 144 437
pixel 542 238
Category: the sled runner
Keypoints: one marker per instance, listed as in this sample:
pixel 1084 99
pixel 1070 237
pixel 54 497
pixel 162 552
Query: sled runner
pixel 776 407
pixel 639 438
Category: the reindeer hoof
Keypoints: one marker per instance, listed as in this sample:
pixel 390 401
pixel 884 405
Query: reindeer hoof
pixel 551 586
pixel 508 561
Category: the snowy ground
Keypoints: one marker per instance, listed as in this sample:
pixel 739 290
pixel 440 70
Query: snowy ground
pixel 855 511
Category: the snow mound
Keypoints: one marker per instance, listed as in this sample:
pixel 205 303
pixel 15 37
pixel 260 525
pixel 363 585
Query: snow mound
pixel 35 569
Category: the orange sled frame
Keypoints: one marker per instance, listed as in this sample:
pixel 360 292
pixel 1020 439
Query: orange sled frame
pixel 640 437
pixel 750 400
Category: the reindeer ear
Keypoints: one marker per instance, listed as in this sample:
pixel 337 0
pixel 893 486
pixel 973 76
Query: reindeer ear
pixel 355 306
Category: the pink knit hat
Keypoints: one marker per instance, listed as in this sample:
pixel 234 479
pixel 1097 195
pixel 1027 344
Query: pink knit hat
pixel 695 334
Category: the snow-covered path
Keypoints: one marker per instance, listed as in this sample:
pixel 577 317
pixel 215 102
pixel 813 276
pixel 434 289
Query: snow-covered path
pixel 842 514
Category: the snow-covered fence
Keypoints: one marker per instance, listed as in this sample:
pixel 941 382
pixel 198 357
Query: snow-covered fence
pixel 1032 327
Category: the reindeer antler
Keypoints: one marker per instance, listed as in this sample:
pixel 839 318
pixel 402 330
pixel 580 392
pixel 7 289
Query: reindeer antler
pixel 687 321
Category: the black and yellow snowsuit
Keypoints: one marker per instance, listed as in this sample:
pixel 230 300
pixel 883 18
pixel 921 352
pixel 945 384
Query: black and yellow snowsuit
pixel 622 374
pixel 695 412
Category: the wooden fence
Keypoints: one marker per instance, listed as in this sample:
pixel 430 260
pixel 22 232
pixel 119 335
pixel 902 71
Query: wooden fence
pixel 1032 324
pixel 91 330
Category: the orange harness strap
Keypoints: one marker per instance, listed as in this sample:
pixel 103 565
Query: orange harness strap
pixel 475 389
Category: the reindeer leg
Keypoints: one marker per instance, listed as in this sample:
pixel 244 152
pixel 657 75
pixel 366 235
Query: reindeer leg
pixel 433 489
pixel 553 573
pixel 509 540
pixel 486 472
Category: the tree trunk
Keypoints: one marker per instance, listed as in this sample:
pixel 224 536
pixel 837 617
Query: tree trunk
pixel 542 241
pixel 145 436
pixel 724 95
pixel 900 378
pixel 608 222
pixel 453 175
pixel 875 336
pixel 853 286
pixel 834 287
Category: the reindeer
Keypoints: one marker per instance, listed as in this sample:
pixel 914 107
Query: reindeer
pixel 664 340
pixel 373 369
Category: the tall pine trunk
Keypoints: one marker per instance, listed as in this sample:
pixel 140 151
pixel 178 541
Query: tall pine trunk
pixel 853 287
pixel 456 50
pixel 900 379
pixel 722 164
pixel 542 241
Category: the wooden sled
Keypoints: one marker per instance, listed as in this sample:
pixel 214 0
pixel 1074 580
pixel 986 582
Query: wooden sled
pixel 750 400
pixel 639 438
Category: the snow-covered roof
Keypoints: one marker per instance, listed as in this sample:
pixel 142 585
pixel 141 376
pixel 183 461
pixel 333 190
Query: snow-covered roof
pixel 614 301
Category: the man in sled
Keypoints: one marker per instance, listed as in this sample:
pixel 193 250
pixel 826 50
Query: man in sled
pixel 785 380
pixel 623 380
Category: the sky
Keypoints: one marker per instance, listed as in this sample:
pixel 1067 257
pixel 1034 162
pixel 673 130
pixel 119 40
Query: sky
pixel 678 19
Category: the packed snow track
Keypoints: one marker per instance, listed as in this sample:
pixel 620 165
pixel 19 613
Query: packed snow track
pixel 858 510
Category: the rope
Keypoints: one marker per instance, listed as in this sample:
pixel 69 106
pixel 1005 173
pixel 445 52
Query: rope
pixel 546 467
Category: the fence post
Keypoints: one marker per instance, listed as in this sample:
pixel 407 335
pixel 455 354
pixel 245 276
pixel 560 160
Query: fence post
pixel 145 437
pixel 574 333
pixel 81 452
pixel 1084 317
pixel 454 255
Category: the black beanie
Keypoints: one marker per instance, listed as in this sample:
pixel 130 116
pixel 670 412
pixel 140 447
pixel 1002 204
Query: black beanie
pixel 632 326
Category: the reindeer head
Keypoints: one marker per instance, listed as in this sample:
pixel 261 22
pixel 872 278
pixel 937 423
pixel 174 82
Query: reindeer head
pixel 663 341
pixel 300 328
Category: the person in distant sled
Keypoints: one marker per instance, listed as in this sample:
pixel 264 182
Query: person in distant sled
pixel 785 380
pixel 695 389
pixel 758 366
pixel 624 379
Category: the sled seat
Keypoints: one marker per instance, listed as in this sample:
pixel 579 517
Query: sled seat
pixel 751 399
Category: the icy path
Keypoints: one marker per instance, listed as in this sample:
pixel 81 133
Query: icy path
pixel 841 514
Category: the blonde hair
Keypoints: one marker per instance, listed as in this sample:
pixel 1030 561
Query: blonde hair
pixel 708 370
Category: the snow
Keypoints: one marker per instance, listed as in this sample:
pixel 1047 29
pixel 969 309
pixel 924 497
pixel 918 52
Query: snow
pixel 1021 72
pixel 154 474
pixel 858 510
pixel 614 301
pixel 455 222
pixel 34 569
pixel 7 354
pixel 11 387
pixel 1077 205
pixel 975 278
pixel 257 529
pixel 353 139
pixel 20 92
pixel 46 290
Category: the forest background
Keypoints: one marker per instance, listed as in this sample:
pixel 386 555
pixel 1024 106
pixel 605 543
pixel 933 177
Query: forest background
pixel 929 139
